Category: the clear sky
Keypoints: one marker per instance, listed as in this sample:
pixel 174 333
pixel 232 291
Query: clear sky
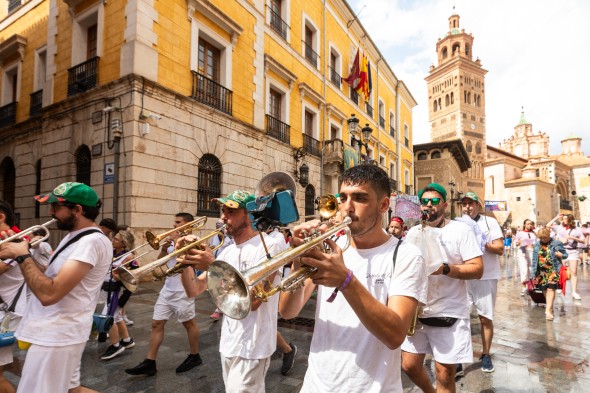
pixel 537 53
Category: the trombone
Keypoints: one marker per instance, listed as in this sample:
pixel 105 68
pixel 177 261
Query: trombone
pixel 154 241
pixel 22 234
pixel 131 278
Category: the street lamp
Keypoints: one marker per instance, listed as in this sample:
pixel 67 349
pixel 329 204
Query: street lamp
pixel 301 175
pixel 365 136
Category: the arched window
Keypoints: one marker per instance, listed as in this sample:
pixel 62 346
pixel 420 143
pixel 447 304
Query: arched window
pixel 447 100
pixel 435 106
pixel 445 52
pixel 422 156
pixel 309 200
pixel 439 103
pixel 467 49
pixel 478 148
pixel 435 154
pixel 208 185
pixel 478 100
pixel 8 181
pixel 83 165
pixel 37 187
pixel 456 49
pixel 492 184
pixel 469 98
pixel 452 98
pixel 468 147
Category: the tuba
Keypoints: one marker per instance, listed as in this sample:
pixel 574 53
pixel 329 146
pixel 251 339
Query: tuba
pixel 230 288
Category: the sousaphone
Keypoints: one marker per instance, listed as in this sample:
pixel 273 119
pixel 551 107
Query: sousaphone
pixel 275 182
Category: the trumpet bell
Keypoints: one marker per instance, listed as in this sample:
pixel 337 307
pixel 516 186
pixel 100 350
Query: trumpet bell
pixel 328 206
pixel 228 289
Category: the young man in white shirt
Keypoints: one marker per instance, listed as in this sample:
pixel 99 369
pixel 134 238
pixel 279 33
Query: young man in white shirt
pixel 58 318
pixel 246 345
pixel 367 295
pixel 443 328
pixel 482 292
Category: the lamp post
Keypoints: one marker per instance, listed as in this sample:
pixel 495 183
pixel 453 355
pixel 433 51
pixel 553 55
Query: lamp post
pixel 365 136
pixel 301 174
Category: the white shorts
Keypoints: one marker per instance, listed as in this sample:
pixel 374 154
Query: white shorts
pixel 482 294
pixel 244 375
pixel 171 304
pixel 51 369
pixel 6 355
pixel 573 254
pixel 448 345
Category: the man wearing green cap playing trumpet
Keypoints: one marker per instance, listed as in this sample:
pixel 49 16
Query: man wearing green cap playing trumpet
pixel 58 318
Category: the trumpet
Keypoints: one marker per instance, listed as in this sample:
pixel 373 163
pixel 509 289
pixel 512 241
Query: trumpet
pixel 230 288
pixel 29 231
pixel 131 278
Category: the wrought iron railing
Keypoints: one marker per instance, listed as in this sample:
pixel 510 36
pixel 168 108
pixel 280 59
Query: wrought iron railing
pixel 36 103
pixel 312 145
pixel 310 54
pixel 392 131
pixel 83 76
pixel 369 110
pixel 8 115
pixel 211 93
pixel 278 24
pixel 335 77
pixel 277 129
pixel 381 121
pixel 13 4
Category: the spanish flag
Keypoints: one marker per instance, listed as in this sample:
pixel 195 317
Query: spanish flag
pixel 366 84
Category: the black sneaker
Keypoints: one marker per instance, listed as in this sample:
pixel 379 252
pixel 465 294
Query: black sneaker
pixel 289 360
pixel 459 373
pixel 486 363
pixel 102 337
pixel 190 362
pixel 112 351
pixel 127 345
pixel 147 367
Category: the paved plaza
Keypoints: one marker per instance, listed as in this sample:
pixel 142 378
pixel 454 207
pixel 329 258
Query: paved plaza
pixel 529 353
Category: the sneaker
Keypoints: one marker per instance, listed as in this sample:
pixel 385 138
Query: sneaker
pixel 189 363
pixel 459 373
pixel 112 351
pixel 147 367
pixel 216 315
pixel 559 290
pixel 127 344
pixel 576 296
pixel 128 321
pixel 523 292
pixel 289 360
pixel 486 364
pixel 102 337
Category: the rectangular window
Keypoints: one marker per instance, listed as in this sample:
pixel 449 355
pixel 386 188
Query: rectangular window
pixel 309 117
pixel 91 41
pixel 334 132
pixel 275 104
pixel 208 60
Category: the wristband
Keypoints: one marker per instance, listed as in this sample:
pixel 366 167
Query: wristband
pixel 342 286
pixel 21 258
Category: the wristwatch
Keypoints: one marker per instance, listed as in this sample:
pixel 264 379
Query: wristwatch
pixel 21 258
pixel 446 269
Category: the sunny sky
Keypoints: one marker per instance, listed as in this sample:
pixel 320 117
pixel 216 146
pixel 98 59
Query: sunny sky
pixel 536 53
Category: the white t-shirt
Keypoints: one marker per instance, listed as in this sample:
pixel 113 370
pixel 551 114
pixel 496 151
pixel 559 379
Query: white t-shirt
pixel 173 283
pixel 344 355
pixel 491 262
pixel 254 337
pixel 42 253
pixel 69 321
pixel 280 238
pixel 10 282
pixel 563 233
pixel 447 297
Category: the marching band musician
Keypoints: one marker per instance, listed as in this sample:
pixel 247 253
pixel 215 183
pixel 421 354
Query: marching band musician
pixel 58 318
pixel 246 345
pixel 367 295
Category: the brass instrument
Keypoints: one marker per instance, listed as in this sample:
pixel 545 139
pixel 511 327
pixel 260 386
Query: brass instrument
pixel 230 288
pixel 131 278
pixel 29 231
pixel 275 182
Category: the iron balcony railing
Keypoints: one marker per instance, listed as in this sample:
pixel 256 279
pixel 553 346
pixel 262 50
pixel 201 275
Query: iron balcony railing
pixel 354 96
pixel 369 109
pixel 8 115
pixel 381 121
pixel 335 77
pixel 83 76
pixel 13 4
pixel 312 145
pixel 277 129
pixel 310 54
pixel 278 24
pixel 392 131
pixel 36 103
pixel 211 93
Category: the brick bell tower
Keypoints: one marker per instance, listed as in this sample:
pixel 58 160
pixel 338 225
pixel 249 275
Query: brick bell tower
pixel 456 100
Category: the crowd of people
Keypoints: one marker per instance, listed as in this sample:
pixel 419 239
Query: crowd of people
pixel 383 302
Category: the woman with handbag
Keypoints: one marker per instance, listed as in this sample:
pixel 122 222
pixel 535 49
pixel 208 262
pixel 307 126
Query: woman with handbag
pixel 112 289
pixel 547 256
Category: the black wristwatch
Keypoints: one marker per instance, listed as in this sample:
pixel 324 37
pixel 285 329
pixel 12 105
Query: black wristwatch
pixel 446 269
pixel 21 258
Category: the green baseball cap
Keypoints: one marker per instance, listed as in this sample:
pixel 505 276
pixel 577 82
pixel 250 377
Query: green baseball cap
pixel 471 195
pixel 236 200
pixel 436 187
pixel 77 193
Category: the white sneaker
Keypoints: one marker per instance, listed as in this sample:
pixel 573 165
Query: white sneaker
pixel 559 290
pixel 576 296
pixel 128 321
pixel 523 292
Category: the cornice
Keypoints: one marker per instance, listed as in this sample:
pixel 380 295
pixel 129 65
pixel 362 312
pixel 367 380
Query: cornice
pixel 270 63
pixel 305 90
pixel 337 113
pixel 15 44
pixel 218 17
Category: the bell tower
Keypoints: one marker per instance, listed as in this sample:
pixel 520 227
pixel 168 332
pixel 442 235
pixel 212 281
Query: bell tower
pixel 456 100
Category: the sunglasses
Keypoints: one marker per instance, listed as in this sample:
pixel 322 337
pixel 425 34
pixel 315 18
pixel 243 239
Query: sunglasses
pixel 55 205
pixel 435 201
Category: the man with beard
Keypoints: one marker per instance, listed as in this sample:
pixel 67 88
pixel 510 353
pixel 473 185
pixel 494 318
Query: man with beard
pixel 443 328
pixel 58 318
pixel 482 292
pixel 246 345
pixel 367 294
pixel 172 302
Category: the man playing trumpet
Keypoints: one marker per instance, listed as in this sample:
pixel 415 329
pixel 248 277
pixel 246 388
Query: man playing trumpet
pixel 367 295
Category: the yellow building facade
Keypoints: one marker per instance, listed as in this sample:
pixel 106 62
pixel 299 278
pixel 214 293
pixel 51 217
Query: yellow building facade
pixel 162 105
